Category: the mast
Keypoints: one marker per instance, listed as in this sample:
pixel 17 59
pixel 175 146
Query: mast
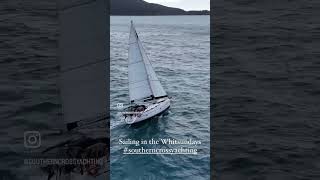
pixel 139 83
pixel 143 81
pixel 138 41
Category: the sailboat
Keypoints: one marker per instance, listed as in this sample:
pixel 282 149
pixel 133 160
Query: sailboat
pixel 147 96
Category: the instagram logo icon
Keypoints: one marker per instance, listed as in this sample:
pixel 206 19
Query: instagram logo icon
pixel 32 139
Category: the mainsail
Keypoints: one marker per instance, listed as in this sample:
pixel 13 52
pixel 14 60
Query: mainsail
pixel 143 81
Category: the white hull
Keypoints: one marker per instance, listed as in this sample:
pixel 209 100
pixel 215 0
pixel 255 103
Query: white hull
pixel 151 111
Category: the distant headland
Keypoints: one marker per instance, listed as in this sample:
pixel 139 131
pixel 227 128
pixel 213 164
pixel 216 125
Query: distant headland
pixel 143 8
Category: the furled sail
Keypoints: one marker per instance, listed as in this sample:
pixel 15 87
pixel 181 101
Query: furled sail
pixel 143 81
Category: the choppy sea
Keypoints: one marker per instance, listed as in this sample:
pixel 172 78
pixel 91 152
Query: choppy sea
pixel 29 95
pixel 266 89
pixel 179 50
pixel 265 95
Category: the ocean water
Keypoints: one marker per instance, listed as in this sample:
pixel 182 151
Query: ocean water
pixel 29 69
pixel 29 88
pixel 266 89
pixel 265 95
pixel 179 50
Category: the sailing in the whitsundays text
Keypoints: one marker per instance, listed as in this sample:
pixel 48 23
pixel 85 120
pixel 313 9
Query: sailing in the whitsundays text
pixel 167 141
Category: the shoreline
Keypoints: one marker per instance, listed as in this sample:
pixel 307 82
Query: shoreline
pixel 167 15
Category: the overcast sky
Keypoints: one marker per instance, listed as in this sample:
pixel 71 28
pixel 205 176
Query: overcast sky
pixel 184 4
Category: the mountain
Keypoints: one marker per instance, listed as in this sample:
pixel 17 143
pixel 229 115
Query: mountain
pixel 140 7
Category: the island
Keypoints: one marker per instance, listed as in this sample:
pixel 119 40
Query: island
pixel 143 8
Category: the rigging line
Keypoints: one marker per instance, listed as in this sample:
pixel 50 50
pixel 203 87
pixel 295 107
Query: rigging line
pixel 144 62
pixel 140 41
pixel 148 59
pixel 137 81
pixel 139 87
pixel 83 65
pixel 55 75
pixel 131 29
pixel 145 52
pixel 136 62
pixel 80 123
pixel 142 81
pixel 77 5
pixel 97 116
pixel 132 43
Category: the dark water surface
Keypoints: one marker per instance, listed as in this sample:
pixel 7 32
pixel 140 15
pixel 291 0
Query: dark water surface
pixel 266 90
pixel 178 48
pixel 266 94
pixel 29 97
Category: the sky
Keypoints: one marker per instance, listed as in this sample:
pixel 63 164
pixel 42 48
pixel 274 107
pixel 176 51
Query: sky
pixel 184 4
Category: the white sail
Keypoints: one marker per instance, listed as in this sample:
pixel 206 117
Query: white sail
pixel 143 81
pixel 155 84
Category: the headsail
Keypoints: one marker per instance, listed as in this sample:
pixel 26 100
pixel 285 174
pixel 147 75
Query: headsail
pixel 143 81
